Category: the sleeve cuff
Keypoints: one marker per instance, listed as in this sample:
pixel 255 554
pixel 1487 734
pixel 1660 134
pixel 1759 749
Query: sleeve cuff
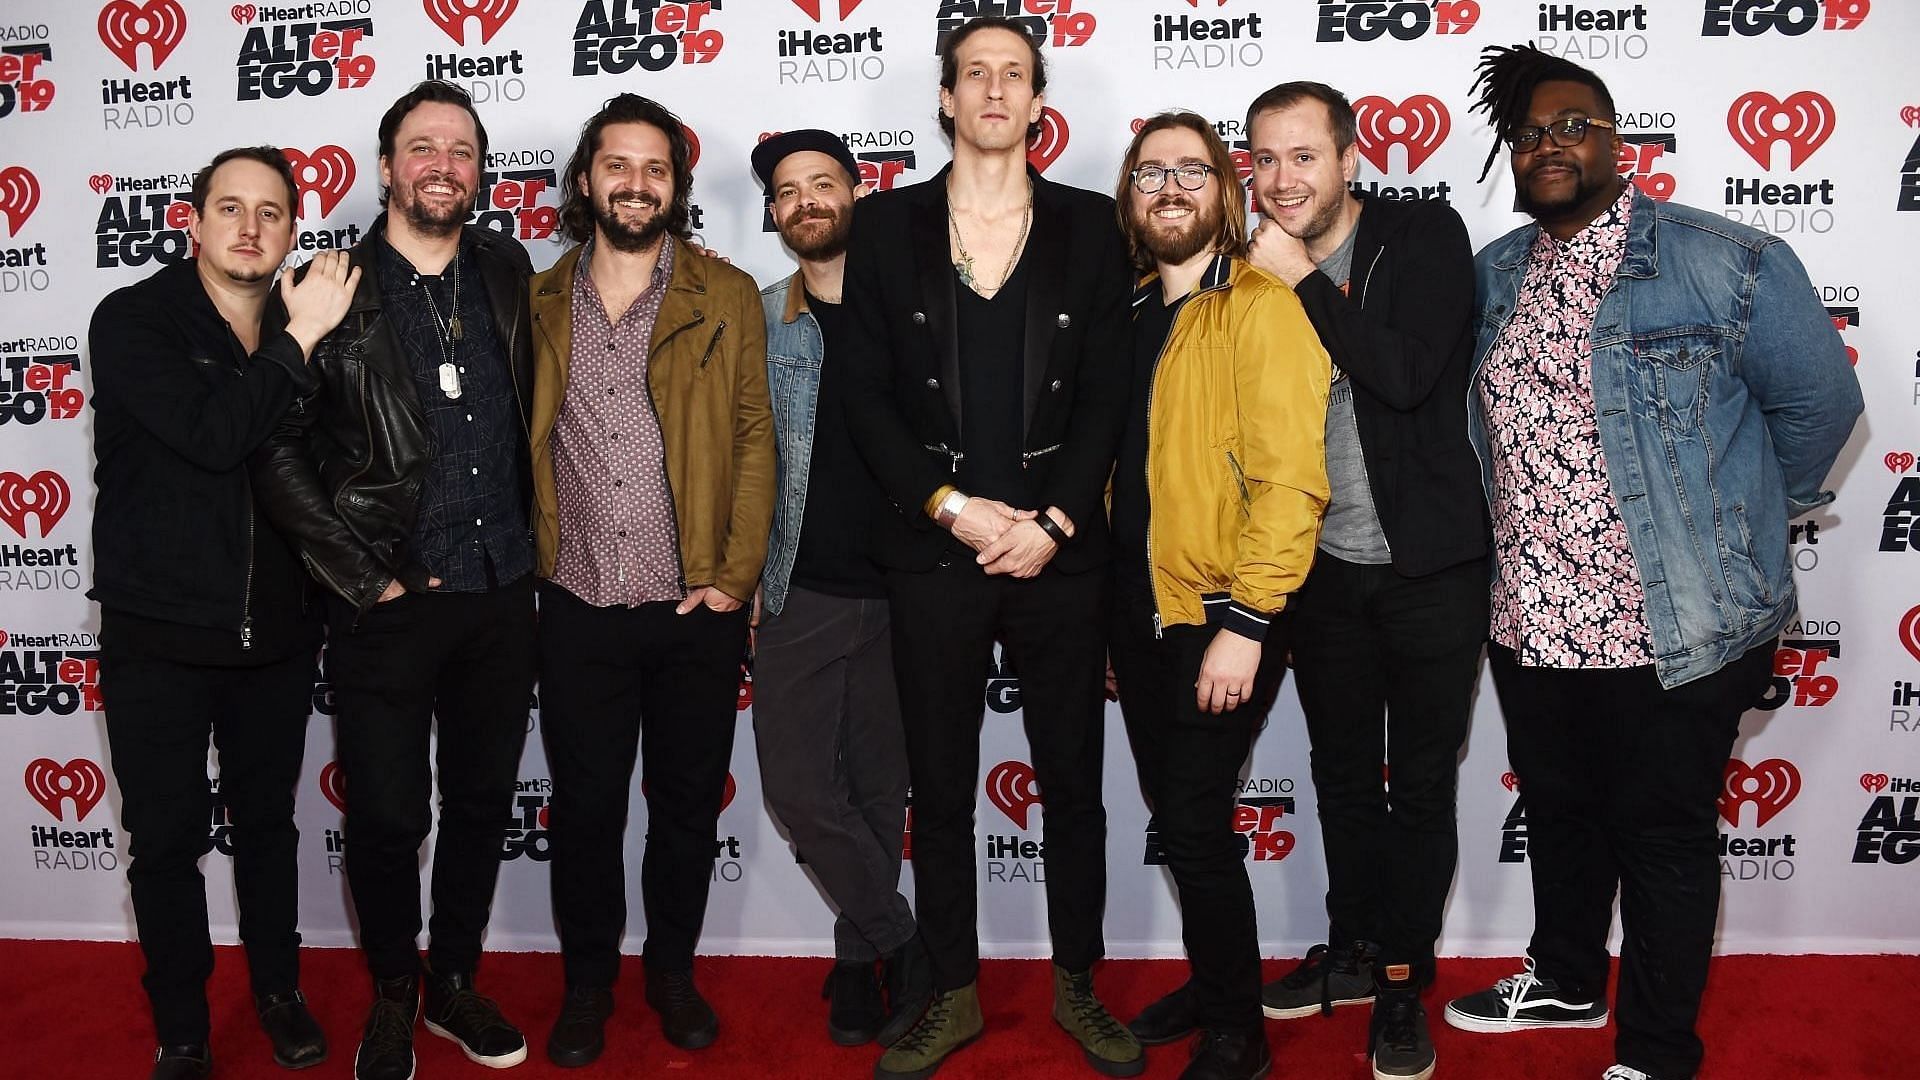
pixel 1245 621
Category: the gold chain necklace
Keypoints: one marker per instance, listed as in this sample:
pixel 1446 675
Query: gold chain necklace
pixel 964 265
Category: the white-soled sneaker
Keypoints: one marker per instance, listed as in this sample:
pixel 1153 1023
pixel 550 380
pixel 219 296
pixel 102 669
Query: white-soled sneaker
pixel 1523 1002
pixel 1626 1072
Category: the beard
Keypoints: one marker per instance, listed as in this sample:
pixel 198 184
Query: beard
pixel 1322 220
pixel 1176 244
pixel 1584 189
pixel 622 235
pixel 820 244
pixel 430 220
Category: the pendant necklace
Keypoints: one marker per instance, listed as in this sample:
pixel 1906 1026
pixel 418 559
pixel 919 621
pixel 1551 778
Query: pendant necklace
pixel 963 266
pixel 447 331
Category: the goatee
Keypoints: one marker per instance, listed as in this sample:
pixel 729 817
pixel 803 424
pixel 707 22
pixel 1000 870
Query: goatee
pixel 825 244
pixel 630 238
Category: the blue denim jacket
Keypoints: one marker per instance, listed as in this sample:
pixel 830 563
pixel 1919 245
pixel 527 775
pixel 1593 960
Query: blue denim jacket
pixel 1724 395
pixel 794 351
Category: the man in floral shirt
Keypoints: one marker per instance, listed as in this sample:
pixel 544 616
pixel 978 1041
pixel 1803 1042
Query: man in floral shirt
pixel 1657 391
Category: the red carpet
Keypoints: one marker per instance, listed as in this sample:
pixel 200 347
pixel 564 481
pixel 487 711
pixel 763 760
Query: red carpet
pixel 75 1010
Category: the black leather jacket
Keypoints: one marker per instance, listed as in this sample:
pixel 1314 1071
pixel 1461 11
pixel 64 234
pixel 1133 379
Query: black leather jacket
pixel 341 476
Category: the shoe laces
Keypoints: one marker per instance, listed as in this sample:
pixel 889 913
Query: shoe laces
pixel 389 1027
pixel 1514 989
pixel 1625 1072
pixel 472 1011
pixel 677 989
pixel 922 1034
pixel 1088 1010
pixel 1399 1019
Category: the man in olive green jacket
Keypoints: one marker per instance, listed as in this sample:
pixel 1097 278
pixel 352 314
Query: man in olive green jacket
pixel 653 463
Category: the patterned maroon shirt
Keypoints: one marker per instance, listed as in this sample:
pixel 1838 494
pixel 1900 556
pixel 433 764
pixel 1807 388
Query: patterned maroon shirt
pixel 1568 593
pixel 619 543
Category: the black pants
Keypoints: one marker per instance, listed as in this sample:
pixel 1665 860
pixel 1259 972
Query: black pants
pixel 616 683
pixel 944 625
pixel 833 759
pixel 1189 761
pixel 1386 667
pixel 1620 779
pixel 465 661
pixel 158 716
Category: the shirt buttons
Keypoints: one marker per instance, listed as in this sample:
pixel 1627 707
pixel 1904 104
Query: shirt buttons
pixel 477 521
pixel 476 472
pixel 469 418
pixel 920 318
pixel 1063 320
pixel 609 391
pixel 1055 386
pixel 933 384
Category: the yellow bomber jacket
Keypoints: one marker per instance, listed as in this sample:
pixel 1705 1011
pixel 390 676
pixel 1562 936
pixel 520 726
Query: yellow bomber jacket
pixel 1236 450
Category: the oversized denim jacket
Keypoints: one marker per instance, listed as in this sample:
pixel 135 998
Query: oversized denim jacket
pixel 1723 396
pixel 795 348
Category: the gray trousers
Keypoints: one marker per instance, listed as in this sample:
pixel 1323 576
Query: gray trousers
pixel 833 759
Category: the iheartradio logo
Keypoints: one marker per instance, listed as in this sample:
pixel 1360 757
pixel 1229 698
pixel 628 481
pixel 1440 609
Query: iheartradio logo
pixel 451 16
pixel 1910 115
pixel 158 24
pixel 100 182
pixel 1898 461
pixel 1769 786
pixel 51 784
pixel 1874 783
pixel 19 194
pixel 812 8
pixel 1509 781
pixel 326 173
pixel 1419 124
pixel 333 784
pixel 1909 631
pixel 1011 786
pixel 1804 121
pixel 44 495
pixel 243 13
pixel 1044 148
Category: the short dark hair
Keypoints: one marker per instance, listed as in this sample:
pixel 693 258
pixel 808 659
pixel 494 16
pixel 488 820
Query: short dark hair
pixel 1232 237
pixel 1285 96
pixel 1506 82
pixel 950 61
pixel 270 156
pixel 431 90
pixel 576 213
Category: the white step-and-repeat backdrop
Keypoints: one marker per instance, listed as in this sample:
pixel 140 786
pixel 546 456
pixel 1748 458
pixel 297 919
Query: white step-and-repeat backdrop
pixel 1801 117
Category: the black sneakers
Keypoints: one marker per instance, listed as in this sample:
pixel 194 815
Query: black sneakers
pixel 854 1011
pixel 1324 979
pixel 1399 1043
pixel 685 1017
pixel 1523 1002
pixel 188 1061
pixel 298 1042
pixel 1229 1055
pixel 1172 1018
pixel 386 1043
pixel 907 973
pixel 454 1011
pixel 580 1033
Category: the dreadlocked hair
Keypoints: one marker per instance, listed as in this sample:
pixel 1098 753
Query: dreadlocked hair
pixel 1506 81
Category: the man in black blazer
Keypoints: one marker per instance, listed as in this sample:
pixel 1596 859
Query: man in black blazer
pixel 987 385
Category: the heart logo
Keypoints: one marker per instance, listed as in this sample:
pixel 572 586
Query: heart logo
pixel 51 783
pixel 693 146
pixel 124 26
pixel 3 639
pixel 326 172
pixel 333 784
pixel 1874 782
pixel 1769 786
pixel 1418 125
pixel 451 16
pixel 44 495
pixel 1758 120
pixel 1909 628
pixel 1044 148
pixel 101 183
pixel 1509 781
pixel 1011 786
pixel 243 13
pixel 1138 123
pixel 1898 461
pixel 19 194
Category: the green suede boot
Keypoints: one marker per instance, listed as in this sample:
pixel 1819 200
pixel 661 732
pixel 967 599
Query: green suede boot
pixel 1111 1049
pixel 952 1020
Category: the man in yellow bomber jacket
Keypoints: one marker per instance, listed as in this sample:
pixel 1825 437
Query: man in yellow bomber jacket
pixel 1217 498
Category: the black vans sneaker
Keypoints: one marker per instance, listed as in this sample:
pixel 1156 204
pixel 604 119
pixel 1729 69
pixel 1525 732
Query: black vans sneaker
pixel 1324 979
pixel 1523 1002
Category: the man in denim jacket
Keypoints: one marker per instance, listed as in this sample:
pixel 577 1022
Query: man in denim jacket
pixel 826 720
pixel 1656 391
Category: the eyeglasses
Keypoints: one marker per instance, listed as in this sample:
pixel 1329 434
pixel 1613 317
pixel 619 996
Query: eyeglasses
pixel 1571 131
pixel 1148 179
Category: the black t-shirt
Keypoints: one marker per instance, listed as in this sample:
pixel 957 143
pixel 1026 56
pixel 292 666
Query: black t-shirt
pixel 992 341
pixel 1152 322
pixel 837 524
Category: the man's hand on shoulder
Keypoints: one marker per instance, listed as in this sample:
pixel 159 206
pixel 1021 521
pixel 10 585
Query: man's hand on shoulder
pixel 319 299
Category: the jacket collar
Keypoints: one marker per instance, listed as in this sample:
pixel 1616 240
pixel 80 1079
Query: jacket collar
pixel 796 297
pixel 1219 274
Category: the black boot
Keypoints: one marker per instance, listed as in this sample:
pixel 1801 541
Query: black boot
pixel 854 1012
pixel 685 1017
pixel 908 973
pixel 1170 1019
pixel 188 1061
pixel 386 1043
pixel 1230 1055
pixel 298 1042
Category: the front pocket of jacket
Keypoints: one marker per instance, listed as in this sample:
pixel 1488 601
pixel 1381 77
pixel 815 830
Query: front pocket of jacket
pixel 1676 371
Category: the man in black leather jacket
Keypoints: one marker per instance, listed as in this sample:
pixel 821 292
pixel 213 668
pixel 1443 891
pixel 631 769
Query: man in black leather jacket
pixel 404 483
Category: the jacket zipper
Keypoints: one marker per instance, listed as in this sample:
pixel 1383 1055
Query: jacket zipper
pixel 1146 469
pixel 1240 479
pixel 711 345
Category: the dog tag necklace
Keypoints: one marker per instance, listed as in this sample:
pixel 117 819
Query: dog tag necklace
pixel 447 332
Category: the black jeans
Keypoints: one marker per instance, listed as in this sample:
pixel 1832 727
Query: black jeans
pixel 619 683
pixel 1385 667
pixel 1621 780
pixel 1189 761
pixel 944 624
pixel 833 759
pixel 159 714
pixel 465 662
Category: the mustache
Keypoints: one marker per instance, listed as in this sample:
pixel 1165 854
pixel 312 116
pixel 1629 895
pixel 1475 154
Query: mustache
pixel 647 198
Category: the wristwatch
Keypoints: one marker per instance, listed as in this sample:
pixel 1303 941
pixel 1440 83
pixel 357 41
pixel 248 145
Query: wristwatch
pixel 950 508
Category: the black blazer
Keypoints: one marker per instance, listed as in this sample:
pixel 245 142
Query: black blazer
pixel 1403 332
pixel 903 366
